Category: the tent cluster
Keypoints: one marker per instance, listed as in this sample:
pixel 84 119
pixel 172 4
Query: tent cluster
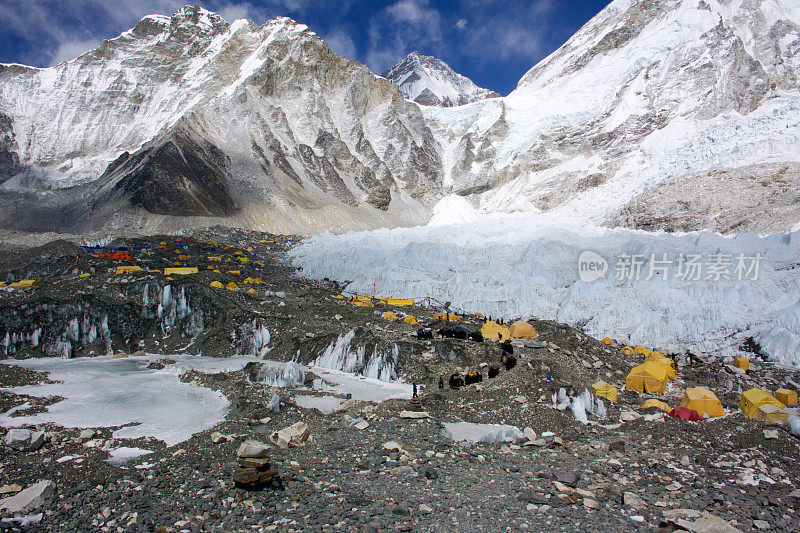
pixel 651 376
pixel 371 301
pixel 761 405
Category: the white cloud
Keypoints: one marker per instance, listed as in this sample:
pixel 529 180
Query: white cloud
pixel 236 12
pixel 341 43
pixel 503 30
pixel 461 24
pixel 69 50
pixel 400 28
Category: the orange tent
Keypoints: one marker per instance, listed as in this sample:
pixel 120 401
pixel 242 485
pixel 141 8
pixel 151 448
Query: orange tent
pixel 703 401
pixel 786 397
pixel 522 329
pixel 652 402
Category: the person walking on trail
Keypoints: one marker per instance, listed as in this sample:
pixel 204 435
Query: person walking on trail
pixel 414 390
pixel 441 381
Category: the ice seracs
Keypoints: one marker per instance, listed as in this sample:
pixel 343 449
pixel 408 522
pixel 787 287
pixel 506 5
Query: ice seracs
pixel 518 266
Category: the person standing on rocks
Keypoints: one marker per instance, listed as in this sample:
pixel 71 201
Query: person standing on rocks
pixel 441 381
pixel 507 346
pixel 414 391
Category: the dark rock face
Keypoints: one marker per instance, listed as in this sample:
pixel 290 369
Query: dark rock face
pixel 184 175
pixel 9 160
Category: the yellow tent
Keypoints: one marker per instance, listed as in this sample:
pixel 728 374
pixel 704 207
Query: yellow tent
pixel 447 316
pixel 741 362
pixel 703 401
pixel 252 291
pixel 84 275
pixel 641 349
pixel 23 284
pixel 217 284
pixel 656 356
pixel 786 397
pixel 400 301
pixel 128 268
pixel 389 315
pixel 360 303
pixel 667 364
pixel 183 271
pixel 652 402
pixel 752 399
pixel 340 297
pixel 493 330
pixel 235 272
pixel 771 414
pixel 604 390
pixel 522 329
pixel 627 350
pixel 648 377
pixel 214 258
pixel 411 319
pixel 608 340
pixel 231 286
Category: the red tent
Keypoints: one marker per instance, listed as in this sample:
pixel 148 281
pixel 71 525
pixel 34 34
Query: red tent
pixel 685 413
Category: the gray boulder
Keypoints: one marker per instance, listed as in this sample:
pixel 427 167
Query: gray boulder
pixel 24 440
pixel 253 449
pixel 29 499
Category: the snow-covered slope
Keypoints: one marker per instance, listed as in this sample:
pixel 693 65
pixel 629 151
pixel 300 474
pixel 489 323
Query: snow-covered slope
pixel 430 81
pixel 516 266
pixel 644 92
pixel 260 126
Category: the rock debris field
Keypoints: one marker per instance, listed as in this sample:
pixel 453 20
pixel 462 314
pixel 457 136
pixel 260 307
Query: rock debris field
pixel 242 397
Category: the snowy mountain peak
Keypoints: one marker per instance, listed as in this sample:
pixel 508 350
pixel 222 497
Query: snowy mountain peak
pixel 431 81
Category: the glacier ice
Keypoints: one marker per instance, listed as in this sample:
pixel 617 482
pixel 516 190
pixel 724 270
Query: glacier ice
pixel 379 365
pixel 794 425
pixel 287 375
pixel 519 266
pixel 579 410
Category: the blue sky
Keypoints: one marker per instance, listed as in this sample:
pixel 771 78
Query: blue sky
pixel 493 42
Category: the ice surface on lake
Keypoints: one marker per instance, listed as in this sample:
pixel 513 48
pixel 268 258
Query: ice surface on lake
pixel 520 266
pixel 468 431
pixel 103 392
pixel 122 455
pixel 325 404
